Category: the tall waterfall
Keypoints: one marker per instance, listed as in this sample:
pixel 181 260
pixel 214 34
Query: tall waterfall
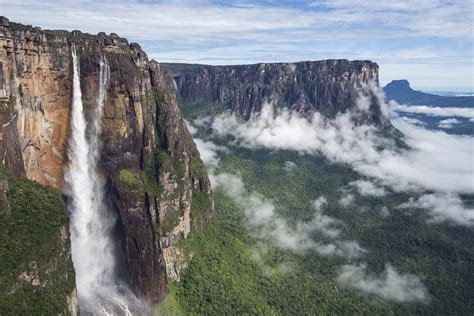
pixel 99 291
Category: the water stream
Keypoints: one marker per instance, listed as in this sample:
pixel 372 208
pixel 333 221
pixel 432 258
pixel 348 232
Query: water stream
pixel 100 292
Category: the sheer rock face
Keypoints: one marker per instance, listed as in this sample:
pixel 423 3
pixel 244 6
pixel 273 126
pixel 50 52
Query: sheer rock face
pixel 327 86
pixel 143 136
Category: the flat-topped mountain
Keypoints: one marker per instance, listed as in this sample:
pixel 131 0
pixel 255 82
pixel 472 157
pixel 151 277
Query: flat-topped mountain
pixel 400 91
pixel 326 86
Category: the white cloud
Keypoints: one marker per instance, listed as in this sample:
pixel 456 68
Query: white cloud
pixel 384 212
pixel 319 203
pixel 429 164
pixel 448 123
pixel 289 166
pixel 267 225
pixel 418 41
pixel 328 226
pixel 368 188
pixel 433 111
pixel 209 151
pixel 443 207
pixel 412 121
pixel 390 285
pixel 347 200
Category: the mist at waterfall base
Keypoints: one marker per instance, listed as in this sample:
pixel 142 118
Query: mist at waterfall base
pixel 100 292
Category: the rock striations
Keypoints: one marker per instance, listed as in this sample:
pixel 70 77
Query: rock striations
pixel 154 178
pixel 326 86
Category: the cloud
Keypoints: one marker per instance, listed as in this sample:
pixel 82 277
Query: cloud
pixel 368 188
pixel 443 207
pixel 415 39
pixel 347 200
pixel 342 142
pixel 384 212
pixel 319 203
pixel 209 151
pixel 428 164
pixel 433 111
pixel 289 166
pixel 412 121
pixel 263 221
pixel 328 226
pixel 390 285
pixel 448 123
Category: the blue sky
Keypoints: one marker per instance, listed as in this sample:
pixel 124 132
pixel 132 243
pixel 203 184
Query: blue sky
pixel 429 42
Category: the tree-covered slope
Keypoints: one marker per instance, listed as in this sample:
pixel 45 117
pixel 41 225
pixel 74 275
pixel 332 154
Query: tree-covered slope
pixel 36 271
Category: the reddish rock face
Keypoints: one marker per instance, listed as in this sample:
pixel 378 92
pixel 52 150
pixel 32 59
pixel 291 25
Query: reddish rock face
pixel 143 135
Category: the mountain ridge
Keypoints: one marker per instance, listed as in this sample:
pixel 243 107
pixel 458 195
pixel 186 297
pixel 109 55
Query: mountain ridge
pixel 327 86
pixel 400 91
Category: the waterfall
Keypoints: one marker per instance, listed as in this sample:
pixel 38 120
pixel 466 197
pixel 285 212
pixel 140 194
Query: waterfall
pixel 99 290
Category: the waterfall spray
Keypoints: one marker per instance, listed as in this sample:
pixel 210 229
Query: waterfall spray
pixel 99 291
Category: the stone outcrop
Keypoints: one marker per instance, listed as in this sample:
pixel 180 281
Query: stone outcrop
pixel 154 178
pixel 327 86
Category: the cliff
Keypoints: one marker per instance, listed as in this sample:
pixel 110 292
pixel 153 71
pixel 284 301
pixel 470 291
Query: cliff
pixel 327 86
pixel 154 178
pixel 400 91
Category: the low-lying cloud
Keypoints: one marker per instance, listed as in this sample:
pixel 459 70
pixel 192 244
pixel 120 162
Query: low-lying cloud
pixel 289 166
pixel 264 222
pixel 448 123
pixel 368 188
pixel 343 142
pixel 347 199
pixel 390 285
pixel 433 111
pixel 209 151
pixel 435 161
pixel 443 207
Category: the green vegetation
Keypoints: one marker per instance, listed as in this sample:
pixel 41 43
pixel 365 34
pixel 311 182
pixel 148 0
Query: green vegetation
pixel 33 246
pixel 151 174
pixel 226 276
pixel 170 221
pixel 169 306
pixel 8 107
pixel 198 109
pixel 132 181
pixel 232 274
pixel 160 93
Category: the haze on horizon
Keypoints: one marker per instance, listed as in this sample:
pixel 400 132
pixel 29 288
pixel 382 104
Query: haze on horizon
pixel 428 42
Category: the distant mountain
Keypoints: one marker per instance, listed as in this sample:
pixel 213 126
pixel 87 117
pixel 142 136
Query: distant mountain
pixel 400 91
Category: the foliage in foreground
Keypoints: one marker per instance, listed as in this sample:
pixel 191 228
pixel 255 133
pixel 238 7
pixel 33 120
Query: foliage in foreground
pixel 36 272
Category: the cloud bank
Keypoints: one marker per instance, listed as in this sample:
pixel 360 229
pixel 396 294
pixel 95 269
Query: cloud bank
pixel 433 111
pixel 435 161
pixel 368 188
pixel 390 285
pixel 443 207
pixel 429 164
pixel 448 123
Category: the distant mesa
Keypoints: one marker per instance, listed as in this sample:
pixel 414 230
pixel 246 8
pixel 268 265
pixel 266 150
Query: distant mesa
pixel 400 91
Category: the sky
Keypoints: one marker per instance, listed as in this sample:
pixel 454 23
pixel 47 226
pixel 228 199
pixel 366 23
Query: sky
pixel 428 42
